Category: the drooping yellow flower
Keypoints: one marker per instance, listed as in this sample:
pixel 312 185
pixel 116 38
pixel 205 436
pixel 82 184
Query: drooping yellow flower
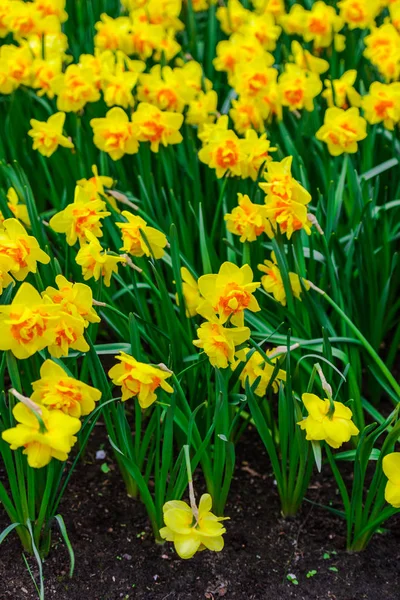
pixel 228 294
pixel 40 446
pixel 273 284
pixel 343 93
pixel 248 220
pixel 335 429
pixel 75 299
pixel 47 135
pixel 96 262
pixel 359 14
pixel 58 391
pixel 82 215
pixel 157 127
pixel 21 248
pixel 75 88
pixel 307 61
pixel 139 379
pixel 286 200
pixel 192 532
pixel 191 294
pixel 257 151
pixel 95 187
pixel 342 129
pixel 27 324
pixel 382 104
pixel 219 342
pixel 299 87
pixel 223 152
pixel 391 468
pixel 133 240
pixel 256 366
pixel 19 211
pixel 115 134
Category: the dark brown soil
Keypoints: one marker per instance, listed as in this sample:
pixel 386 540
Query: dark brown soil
pixel 116 557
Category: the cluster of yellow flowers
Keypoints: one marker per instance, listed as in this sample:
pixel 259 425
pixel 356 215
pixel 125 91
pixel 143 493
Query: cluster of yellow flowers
pixel 285 205
pixel 48 421
pixel 55 319
pixel 226 153
pixel 81 221
pixel 148 31
pixel 41 49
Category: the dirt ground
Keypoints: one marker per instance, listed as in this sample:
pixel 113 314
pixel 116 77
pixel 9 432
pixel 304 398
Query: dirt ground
pixel 116 557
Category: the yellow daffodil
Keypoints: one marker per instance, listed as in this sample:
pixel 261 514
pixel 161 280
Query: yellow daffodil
pixel 55 441
pixel 343 93
pixel 134 242
pixel 321 25
pixel 191 532
pixel 157 127
pixel 307 61
pixel 191 294
pixel 359 14
pixel 68 333
pixel 342 129
pixel 273 284
pixel 382 104
pixel 248 220
pixel 75 299
pixel 203 109
pixel 75 88
pixel 224 153
pixel 138 379
pixel 47 135
pixel 27 324
pixel 96 262
pixel 382 48
pixel 286 200
pixel 228 294
pixel 21 248
pixel 115 134
pixel 252 79
pixel 79 217
pixel 335 429
pixel 247 114
pixel 20 211
pixel 58 391
pixel 299 87
pixel 391 468
pixel 219 342
pixel 256 366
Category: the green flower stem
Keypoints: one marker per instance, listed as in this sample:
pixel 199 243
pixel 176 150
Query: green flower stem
pixel 373 354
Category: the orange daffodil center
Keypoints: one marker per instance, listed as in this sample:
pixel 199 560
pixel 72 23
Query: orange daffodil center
pixel 228 293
